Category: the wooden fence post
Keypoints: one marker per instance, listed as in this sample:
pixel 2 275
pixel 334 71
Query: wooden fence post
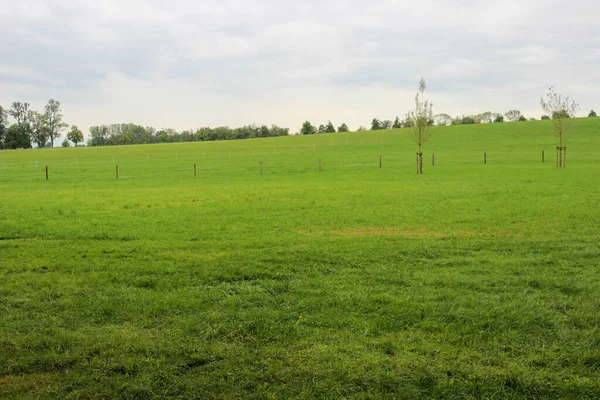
pixel 485 158
pixel 380 162
pixel 194 169
pixel 432 158
pixel 117 171
pixel 261 167
pixel 46 173
pixel 542 155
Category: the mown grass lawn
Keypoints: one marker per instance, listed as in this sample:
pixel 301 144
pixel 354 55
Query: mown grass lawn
pixel 471 281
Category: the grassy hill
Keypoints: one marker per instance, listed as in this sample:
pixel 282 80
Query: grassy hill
pixel 471 281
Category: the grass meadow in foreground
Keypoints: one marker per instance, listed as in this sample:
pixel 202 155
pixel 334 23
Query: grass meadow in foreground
pixel 471 281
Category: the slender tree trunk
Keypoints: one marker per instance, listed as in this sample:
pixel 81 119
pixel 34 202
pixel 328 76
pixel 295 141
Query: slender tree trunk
pixel 417 163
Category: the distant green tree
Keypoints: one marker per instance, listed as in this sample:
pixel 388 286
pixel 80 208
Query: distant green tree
pixel 75 135
pixel 321 129
pixel 307 128
pixel 385 124
pixel 486 117
pixel 278 131
pixel 329 128
pixel 17 137
pixel 39 128
pixel 361 128
pixel 442 119
pixel 513 115
pixel 99 135
pixel 545 117
pixel 375 125
pixel 522 118
pixel 592 113
pixel 397 124
pixel 468 120
pixel 3 126
pixel 163 137
pixel 457 121
pixel 66 143
pixel 499 118
pixel 343 128
pixel 264 131
pixel 54 120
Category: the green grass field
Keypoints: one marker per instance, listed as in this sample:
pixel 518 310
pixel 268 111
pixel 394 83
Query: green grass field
pixel 471 281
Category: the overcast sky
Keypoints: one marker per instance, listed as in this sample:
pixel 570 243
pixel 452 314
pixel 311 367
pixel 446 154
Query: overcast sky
pixel 187 64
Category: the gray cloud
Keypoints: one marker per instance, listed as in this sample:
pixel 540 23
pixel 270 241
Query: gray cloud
pixel 185 64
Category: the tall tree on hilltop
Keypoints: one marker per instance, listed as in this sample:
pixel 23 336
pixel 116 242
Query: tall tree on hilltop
pixel 397 124
pixel 18 135
pixel 54 120
pixel 307 128
pixel 513 115
pixel 39 128
pixel 343 128
pixel 375 125
pixel 329 128
pixel 75 135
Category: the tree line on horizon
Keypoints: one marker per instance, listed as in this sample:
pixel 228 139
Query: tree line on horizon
pixel 442 119
pixel 488 117
pixel 123 134
pixel 43 128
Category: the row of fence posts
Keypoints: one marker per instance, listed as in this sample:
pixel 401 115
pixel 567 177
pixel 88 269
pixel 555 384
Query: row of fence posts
pixel 561 156
pixel 561 161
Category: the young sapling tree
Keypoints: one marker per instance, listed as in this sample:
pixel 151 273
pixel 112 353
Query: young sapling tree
pixel 421 120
